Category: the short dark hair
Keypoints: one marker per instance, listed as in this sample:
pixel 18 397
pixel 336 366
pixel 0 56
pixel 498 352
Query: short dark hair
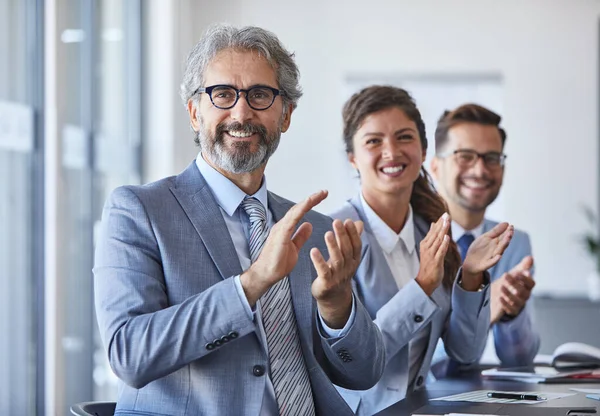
pixel 466 113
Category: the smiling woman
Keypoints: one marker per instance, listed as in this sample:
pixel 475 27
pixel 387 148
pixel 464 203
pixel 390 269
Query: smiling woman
pixel 388 154
pixel 409 262
pixel 386 143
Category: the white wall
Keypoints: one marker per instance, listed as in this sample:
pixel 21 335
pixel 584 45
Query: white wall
pixel 544 50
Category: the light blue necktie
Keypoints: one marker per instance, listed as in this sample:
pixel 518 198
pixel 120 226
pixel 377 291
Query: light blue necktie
pixel 288 370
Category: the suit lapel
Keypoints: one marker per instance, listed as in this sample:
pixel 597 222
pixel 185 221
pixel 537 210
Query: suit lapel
pixel 301 276
pixel 379 283
pixel 198 202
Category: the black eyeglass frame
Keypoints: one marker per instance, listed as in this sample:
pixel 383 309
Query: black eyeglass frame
pixel 483 156
pixel 209 90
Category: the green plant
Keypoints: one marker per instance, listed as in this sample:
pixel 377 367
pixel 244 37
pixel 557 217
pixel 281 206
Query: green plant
pixel 591 239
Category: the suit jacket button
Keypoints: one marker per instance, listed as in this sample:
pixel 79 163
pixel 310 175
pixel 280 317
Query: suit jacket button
pixel 217 342
pixel 209 346
pixel 232 335
pixel 418 318
pixel 258 370
pixel 419 381
pixel 225 338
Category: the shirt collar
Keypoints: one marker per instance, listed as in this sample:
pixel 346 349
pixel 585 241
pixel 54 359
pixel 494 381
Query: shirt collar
pixel 386 237
pixel 228 195
pixel 458 231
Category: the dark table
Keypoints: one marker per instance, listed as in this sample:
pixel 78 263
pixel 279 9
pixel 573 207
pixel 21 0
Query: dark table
pixel 447 387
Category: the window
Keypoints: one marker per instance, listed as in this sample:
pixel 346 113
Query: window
pixel 21 222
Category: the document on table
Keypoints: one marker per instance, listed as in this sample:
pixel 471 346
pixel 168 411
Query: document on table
pixel 458 414
pixel 593 391
pixel 480 396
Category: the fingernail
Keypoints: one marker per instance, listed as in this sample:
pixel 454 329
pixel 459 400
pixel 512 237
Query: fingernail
pixel 444 219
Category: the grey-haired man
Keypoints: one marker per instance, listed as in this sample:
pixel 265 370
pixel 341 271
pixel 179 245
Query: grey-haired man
pixel 213 295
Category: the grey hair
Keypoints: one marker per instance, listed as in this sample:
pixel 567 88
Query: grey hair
pixel 220 37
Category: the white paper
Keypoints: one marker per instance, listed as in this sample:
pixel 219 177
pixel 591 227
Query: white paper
pixel 480 396
pixel 459 414
pixel 536 375
pixel 543 359
pixel 590 391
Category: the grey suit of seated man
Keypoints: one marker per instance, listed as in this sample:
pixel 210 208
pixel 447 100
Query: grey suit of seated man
pixel 469 169
pixel 214 295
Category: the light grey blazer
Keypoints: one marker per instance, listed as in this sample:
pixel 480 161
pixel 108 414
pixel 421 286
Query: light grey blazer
pixel 516 341
pixel 461 318
pixel 175 328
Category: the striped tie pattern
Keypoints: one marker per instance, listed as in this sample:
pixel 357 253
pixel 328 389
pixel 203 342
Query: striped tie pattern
pixel 288 370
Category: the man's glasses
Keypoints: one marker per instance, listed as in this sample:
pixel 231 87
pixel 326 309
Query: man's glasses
pixel 466 158
pixel 226 97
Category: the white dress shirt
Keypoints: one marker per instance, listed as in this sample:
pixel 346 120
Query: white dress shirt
pixel 458 231
pixel 229 197
pixel 403 260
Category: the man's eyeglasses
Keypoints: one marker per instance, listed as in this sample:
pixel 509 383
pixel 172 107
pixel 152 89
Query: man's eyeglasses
pixel 226 97
pixel 467 158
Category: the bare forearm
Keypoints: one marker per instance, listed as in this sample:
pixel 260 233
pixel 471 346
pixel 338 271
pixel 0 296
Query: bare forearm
pixel 253 286
pixel 471 282
pixel 427 285
pixel 335 313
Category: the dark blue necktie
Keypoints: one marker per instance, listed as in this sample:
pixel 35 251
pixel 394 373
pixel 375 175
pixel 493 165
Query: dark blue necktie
pixel 464 243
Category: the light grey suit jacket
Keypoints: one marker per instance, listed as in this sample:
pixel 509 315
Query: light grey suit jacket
pixel 173 324
pixel 516 341
pixel 461 318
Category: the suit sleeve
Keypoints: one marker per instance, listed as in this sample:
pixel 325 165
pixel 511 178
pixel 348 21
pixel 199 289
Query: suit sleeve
pixel 516 341
pixel 145 337
pixel 467 328
pixel 410 309
pixel 406 313
pixel 355 361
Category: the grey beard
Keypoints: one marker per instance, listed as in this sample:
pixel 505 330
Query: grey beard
pixel 240 159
